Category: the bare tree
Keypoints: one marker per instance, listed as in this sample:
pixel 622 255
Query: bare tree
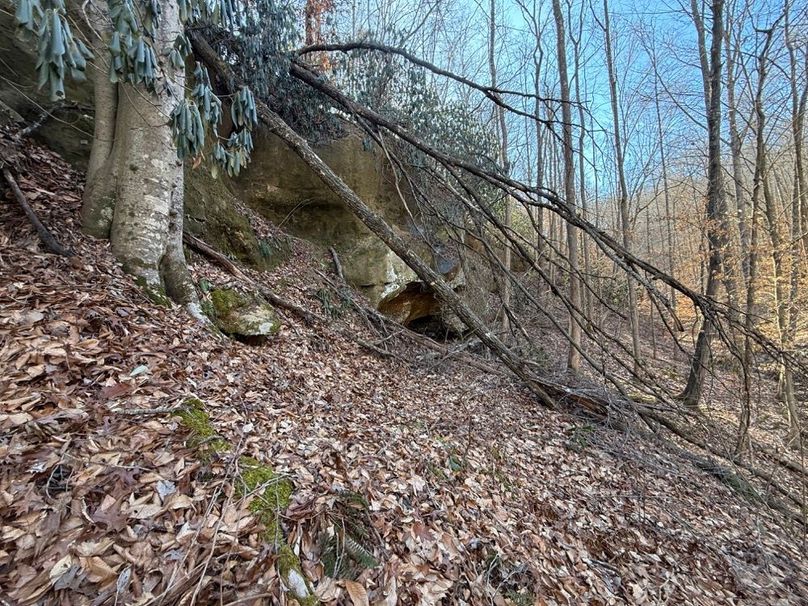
pixel 574 357
pixel 716 195
pixel 502 130
pixel 623 199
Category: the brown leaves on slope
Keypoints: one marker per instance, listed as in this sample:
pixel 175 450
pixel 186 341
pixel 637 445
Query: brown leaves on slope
pixel 472 494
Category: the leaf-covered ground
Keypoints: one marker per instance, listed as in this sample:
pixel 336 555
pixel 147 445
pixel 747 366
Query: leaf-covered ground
pixel 416 482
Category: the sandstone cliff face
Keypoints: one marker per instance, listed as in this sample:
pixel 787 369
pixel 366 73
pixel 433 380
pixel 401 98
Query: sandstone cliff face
pixel 281 187
pixel 277 184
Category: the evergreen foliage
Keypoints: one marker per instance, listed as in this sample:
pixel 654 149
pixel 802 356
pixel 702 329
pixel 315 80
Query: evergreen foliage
pixel 58 49
pixel 133 59
pixel 407 95
pixel 259 53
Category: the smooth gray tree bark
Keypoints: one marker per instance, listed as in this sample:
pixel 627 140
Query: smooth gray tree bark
pixel 134 193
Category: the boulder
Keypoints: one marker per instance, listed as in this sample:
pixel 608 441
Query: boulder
pixel 246 318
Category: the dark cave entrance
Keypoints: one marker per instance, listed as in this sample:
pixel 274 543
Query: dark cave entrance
pixel 417 308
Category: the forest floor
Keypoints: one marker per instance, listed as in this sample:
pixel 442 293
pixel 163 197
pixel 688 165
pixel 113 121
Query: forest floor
pixel 419 481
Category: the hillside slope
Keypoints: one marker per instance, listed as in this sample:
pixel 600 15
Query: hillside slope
pixel 421 482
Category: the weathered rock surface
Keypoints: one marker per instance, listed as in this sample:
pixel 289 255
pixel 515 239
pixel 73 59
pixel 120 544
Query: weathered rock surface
pixel 283 188
pixel 212 214
pixel 244 317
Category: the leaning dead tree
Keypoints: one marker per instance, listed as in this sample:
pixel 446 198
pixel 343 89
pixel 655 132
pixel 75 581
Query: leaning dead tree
pixel 378 226
pixel 549 393
pixel 644 272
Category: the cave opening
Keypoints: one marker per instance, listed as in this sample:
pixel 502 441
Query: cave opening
pixel 416 307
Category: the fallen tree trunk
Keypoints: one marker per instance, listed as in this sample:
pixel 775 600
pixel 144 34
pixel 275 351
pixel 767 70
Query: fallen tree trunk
pixel 765 477
pixel 381 229
pixel 203 248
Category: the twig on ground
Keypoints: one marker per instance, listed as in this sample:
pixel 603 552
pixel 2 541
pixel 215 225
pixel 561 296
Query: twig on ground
pixel 48 239
pixel 337 264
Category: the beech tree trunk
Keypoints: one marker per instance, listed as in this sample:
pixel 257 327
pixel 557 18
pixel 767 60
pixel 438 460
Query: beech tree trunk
pixel 134 193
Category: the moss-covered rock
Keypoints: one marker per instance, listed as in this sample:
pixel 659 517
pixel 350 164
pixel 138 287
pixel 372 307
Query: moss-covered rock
pixel 291 572
pixel 271 495
pixel 244 317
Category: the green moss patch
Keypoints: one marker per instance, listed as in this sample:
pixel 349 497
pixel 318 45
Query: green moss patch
pixel 212 214
pixel 194 417
pixel 271 493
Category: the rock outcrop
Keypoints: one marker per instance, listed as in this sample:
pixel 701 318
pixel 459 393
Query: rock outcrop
pixel 212 214
pixel 244 317
pixel 277 184
pixel 283 188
